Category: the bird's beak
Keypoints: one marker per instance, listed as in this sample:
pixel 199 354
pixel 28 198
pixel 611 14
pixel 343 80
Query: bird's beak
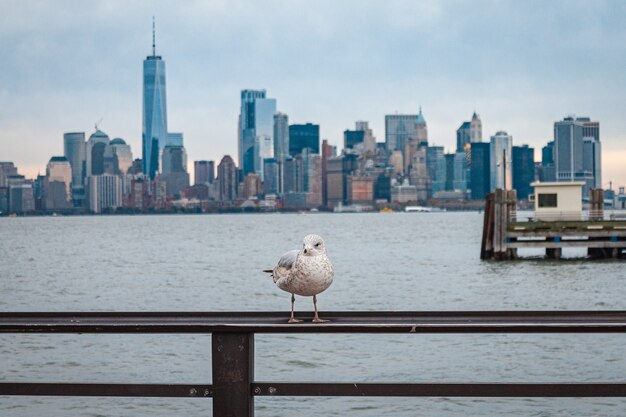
pixel 308 250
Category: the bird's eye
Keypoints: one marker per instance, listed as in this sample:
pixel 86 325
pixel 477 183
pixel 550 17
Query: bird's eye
pixel 317 245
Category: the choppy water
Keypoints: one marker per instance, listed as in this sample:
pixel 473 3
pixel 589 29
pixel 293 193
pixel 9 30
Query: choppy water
pixel 213 262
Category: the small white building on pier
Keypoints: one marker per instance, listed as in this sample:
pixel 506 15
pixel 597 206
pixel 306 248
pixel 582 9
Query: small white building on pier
pixel 556 201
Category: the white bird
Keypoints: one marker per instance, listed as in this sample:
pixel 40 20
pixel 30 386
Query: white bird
pixel 306 272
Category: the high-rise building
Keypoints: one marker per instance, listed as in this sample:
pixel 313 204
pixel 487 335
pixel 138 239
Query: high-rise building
pixel 461 172
pixel 577 151
pixel 369 141
pixel 353 138
pixel 501 159
pixel 154 133
pixel 95 149
pixel 104 192
pixel 227 179
pixel 480 170
pixel 74 151
pixel 120 157
pixel 21 198
pixel 436 165
pixel 174 139
pixel 251 185
pixel 419 174
pixel 476 129
pixel 548 172
pixel 57 185
pixel 327 153
pixel 270 176
pixel 469 132
pixel 256 128
pixel 204 172
pixel 523 170
pixel 302 137
pixel 400 128
pixel 6 169
pixel 175 169
pixel 281 136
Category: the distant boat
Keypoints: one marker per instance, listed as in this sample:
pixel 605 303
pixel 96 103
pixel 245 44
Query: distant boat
pixel 386 210
pixel 422 209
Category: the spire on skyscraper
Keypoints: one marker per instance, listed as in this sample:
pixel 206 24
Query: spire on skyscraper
pixel 153 38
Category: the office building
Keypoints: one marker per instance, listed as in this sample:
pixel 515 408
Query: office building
pixel 74 152
pixel 154 132
pixel 57 184
pixel 104 192
pixel 119 157
pixel 480 170
pixel 369 141
pixel 400 128
pixel 353 138
pixel 204 172
pixel 228 179
pixel 270 176
pixel 461 172
pixel 94 153
pixel 174 169
pixel 523 170
pixel 7 169
pixel 548 173
pixel 501 159
pixel 256 128
pixel 303 136
pixel 436 166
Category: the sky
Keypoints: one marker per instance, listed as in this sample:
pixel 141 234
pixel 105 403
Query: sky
pixel 67 65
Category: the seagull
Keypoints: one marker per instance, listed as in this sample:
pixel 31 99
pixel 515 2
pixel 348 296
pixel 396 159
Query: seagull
pixel 306 272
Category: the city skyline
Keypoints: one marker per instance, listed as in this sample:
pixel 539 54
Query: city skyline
pixel 329 93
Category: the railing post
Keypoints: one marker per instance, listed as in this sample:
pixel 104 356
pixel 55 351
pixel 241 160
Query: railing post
pixel 233 373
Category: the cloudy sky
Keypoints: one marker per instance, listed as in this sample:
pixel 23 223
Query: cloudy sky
pixel 521 64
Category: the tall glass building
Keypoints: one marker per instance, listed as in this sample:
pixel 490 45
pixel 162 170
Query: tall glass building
pixel 154 136
pixel 256 130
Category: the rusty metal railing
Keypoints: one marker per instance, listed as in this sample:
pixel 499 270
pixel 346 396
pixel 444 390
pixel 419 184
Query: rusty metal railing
pixel 233 387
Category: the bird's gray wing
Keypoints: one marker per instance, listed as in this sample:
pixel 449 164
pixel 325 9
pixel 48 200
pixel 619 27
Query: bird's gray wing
pixel 285 264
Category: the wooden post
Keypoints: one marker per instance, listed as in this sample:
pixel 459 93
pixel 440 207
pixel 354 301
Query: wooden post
pixel 485 246
pixel 233 374
pixel 497 228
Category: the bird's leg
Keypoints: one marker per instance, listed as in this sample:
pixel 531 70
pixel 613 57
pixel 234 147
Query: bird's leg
pixel 316 318
pixel 293 319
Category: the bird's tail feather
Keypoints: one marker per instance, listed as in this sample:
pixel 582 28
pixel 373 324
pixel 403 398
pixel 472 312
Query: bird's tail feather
pixel 269 271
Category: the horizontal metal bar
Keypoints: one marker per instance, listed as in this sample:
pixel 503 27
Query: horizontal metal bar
pixel 105 390
pixel 340 322
pixel 314 389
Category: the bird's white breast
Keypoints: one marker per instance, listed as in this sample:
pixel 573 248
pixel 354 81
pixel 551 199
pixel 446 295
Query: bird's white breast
pixel 310 276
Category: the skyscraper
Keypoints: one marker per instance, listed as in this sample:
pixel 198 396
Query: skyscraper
pixel 480 170
pixel 227 179
pixel 94 153
pixel 204 172
pixel 400 128
pixel 74 152
pixel 523 170
pixel 281 136
pixel 256 130
pixel 501 161
pixel 476 129
pixel 154 135
pixel 302 137
pixel 469 132
pixel 577 151
pixel 175 169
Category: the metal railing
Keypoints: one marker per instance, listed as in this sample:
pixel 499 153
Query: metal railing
pixel 234 387
pixel 563 216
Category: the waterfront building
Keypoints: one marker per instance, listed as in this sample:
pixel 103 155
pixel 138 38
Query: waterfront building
pixel 523 170
pixel 360 189
pixel 449 163
pixel 396 160
pixel 174 170
pixel 57 183
pixel 7 169
pixel 104 192
pixel 251 185
pixel 327 153
pixel 281 136
pixel 154 131
pixel 289 175
pixel 256 128
pixel 270 176
pixel 21 198
pixel 74 152
pixel 548 173
pixel 312 178
pixel 480 170
pixel 436 165
pixel 399 128
pixel 4 200
pixel 403 193
pixel 334 181
pixel 369 141
pixel 419 174
pixel 204 172
pixel 501 161
pixel 461 172
pixel 577 151
pixel 120 157
pixel 382 186
pixel 303 136
pixel 227 178
pixel 95 153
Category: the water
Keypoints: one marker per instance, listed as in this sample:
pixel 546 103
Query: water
pixel 213 263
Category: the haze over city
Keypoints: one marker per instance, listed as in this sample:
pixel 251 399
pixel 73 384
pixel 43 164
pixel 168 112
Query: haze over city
pixel 521 66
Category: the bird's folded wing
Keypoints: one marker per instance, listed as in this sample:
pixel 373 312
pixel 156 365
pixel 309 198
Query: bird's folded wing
pixel 288 259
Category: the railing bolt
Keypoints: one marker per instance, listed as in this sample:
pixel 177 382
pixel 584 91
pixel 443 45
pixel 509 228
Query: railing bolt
pixel 272 390
pixel 257 390
pixel 207 392
pixel 220 348
pixel 193 392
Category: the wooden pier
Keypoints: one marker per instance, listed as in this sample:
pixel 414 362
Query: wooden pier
pixel 504 234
